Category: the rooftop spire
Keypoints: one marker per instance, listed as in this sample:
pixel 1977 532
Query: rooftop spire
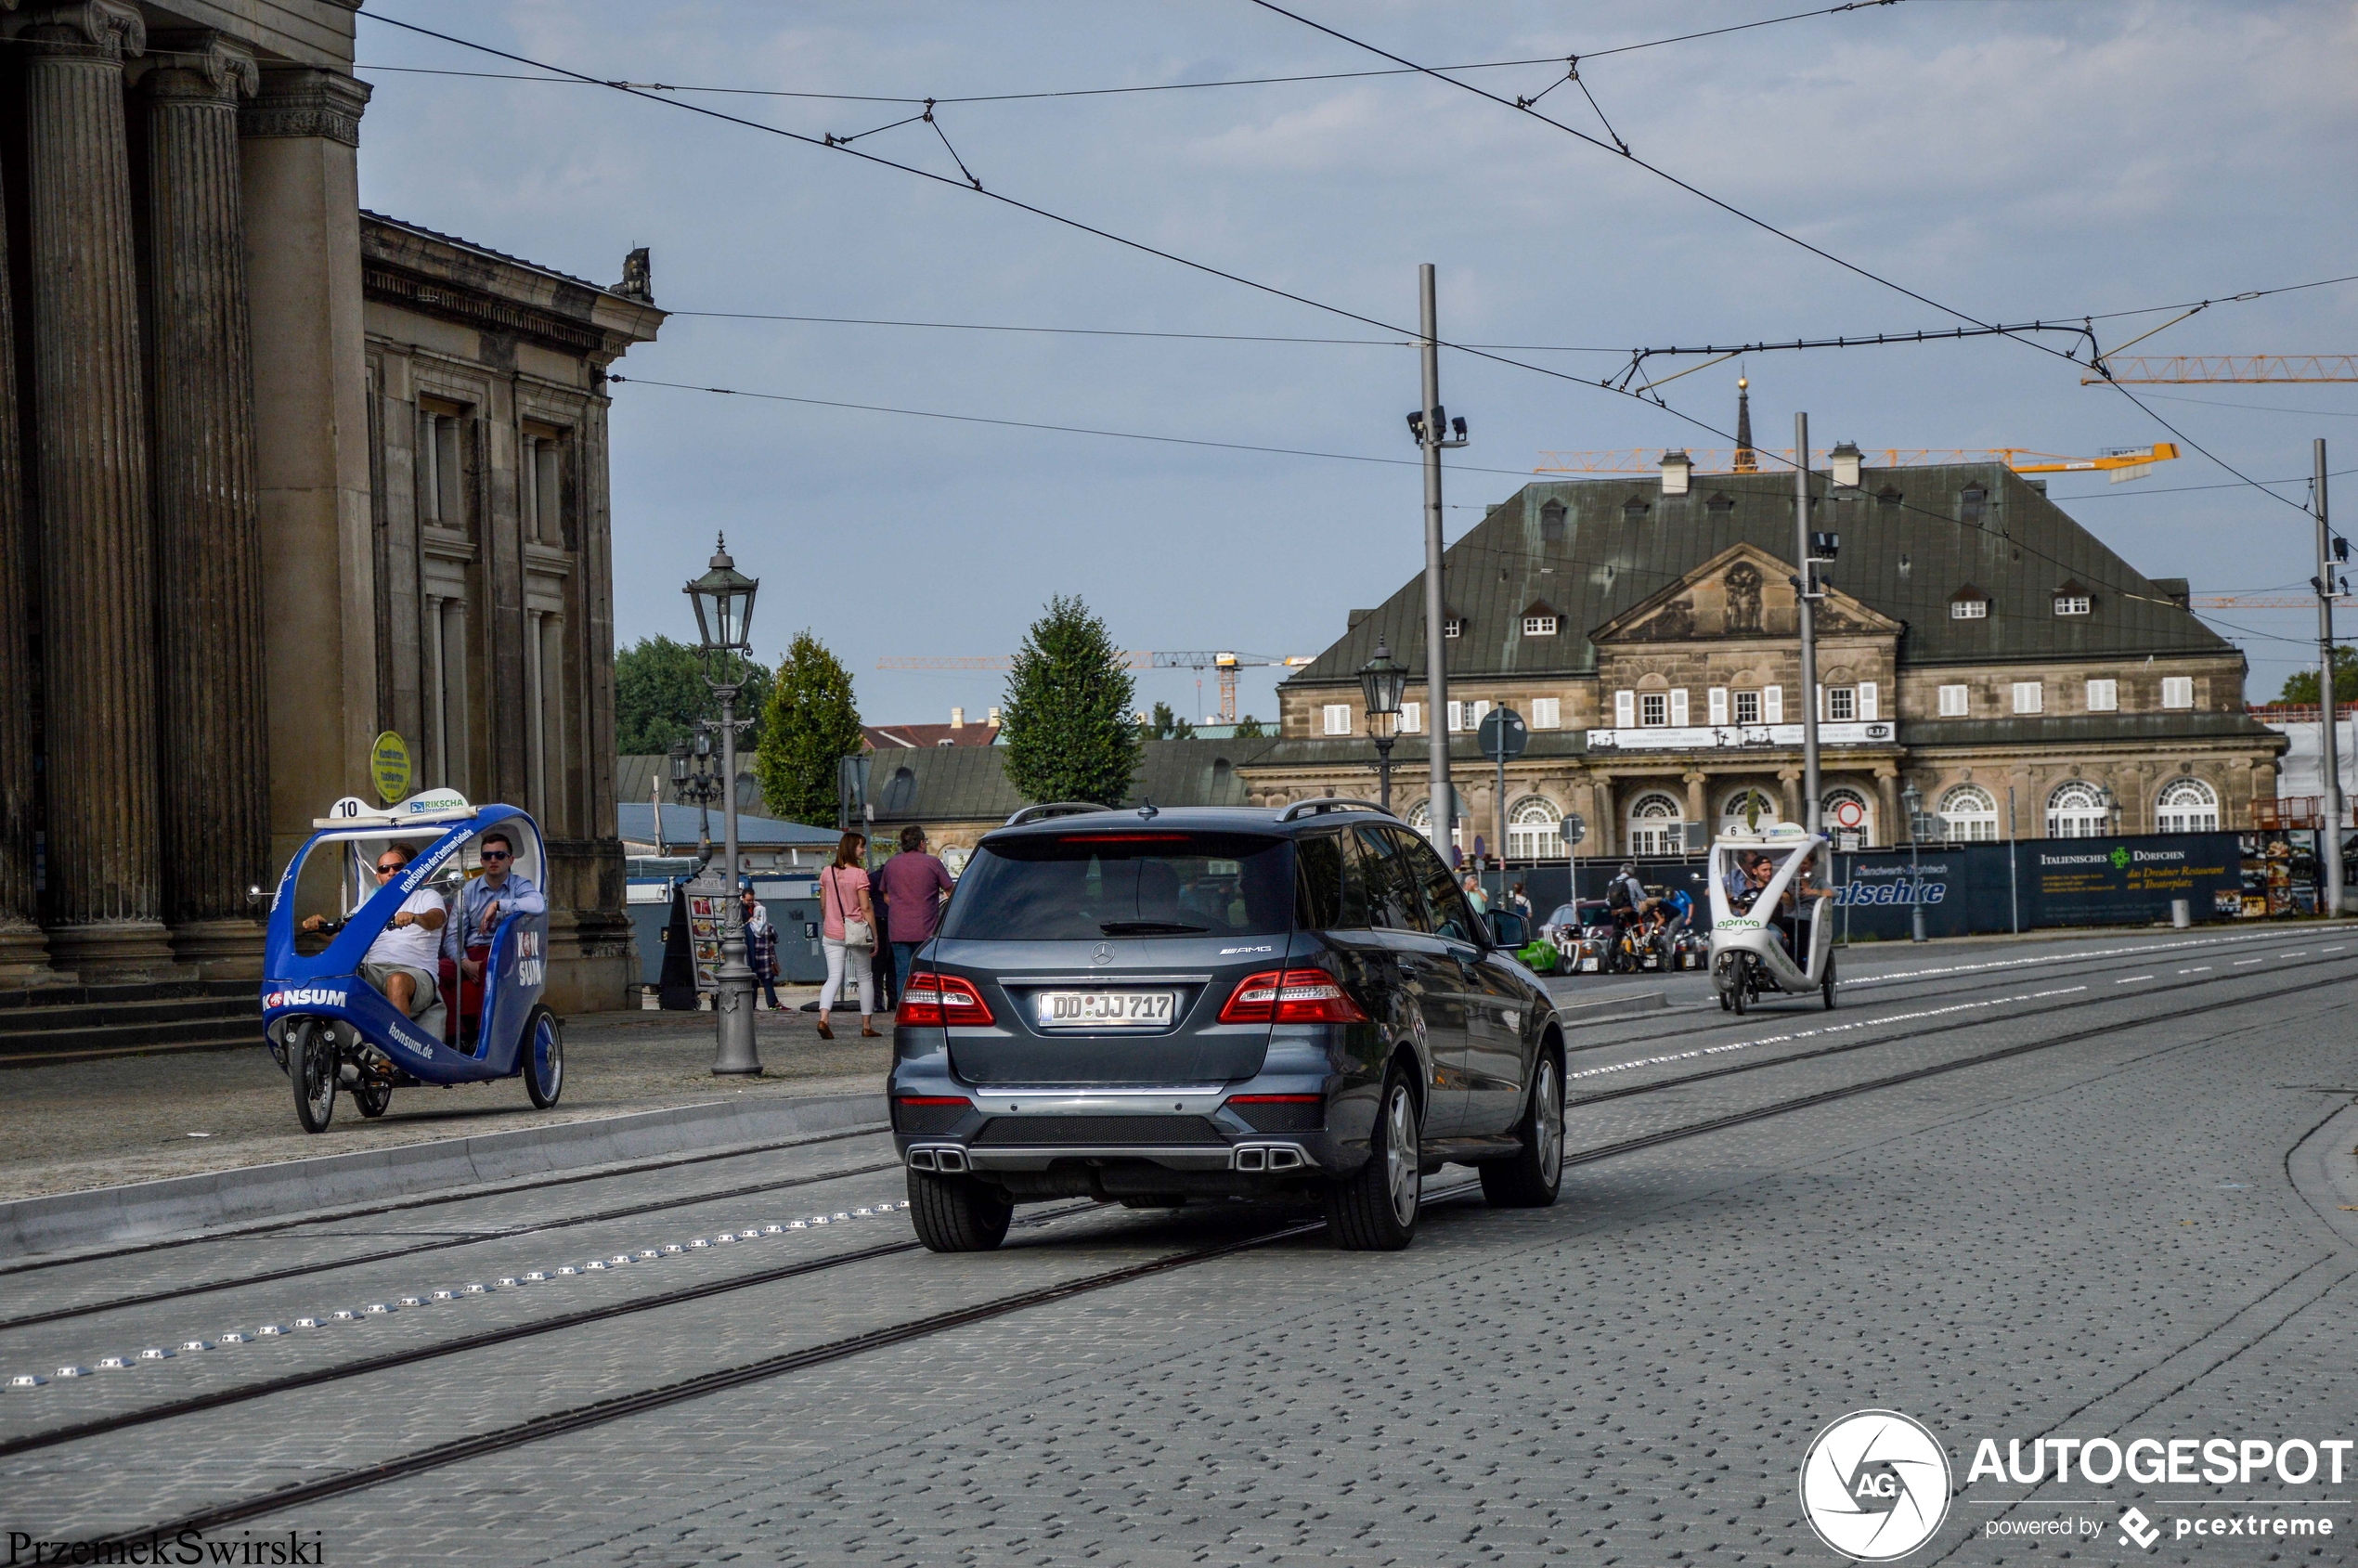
pixel 1745 461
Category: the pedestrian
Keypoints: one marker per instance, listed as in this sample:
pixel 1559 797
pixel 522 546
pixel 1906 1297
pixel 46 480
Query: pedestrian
pixel 847 933
pixel 914 885
pixel 1522 901
pixel 1475 896
pixel 761 947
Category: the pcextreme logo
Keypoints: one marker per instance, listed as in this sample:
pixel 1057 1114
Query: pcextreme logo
pixel 1875 1486
pixel 2120 858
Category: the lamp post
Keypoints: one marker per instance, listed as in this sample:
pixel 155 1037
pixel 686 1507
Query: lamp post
pixel 1382 680
pixel 723 601
pixel 692 784
pixel 1912 800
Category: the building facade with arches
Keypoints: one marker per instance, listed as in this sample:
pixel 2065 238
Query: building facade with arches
pixel 1975 642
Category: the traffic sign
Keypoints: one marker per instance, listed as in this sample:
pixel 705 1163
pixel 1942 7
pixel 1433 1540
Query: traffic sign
pixel 1574 828
pixel 1503 734
pixel 1851 814
pixel 389 766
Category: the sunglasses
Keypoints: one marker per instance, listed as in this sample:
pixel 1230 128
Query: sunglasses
pixel 387 870
pixel 496 855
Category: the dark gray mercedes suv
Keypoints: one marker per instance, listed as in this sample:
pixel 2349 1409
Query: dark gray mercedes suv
pixel 1148 1006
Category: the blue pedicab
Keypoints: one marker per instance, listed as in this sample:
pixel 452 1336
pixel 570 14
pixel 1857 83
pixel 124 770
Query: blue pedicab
pixel 327 1025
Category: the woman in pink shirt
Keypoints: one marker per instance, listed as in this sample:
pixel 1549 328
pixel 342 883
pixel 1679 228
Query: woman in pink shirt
pixel 843 890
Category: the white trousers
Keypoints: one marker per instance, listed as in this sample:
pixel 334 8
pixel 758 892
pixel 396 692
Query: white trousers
pixel 859 959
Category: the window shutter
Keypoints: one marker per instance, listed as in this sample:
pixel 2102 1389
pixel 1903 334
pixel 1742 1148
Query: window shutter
pixel 1547 713
pixel 1412 715
pixel 1953 702
pixel 1867 709
pixel 2177 690
pixel 1480 710
pixel 1337 719
pixel 1457 716
pixel 1624 711
pixel 1679 707
pixel 1716 700
pixel 1772 704
pixel 2029 696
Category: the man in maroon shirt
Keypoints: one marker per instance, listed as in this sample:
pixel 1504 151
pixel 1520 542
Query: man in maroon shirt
pixel 914 885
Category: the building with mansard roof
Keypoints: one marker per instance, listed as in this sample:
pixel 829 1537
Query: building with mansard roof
pixel 1974 642
pixel 275 475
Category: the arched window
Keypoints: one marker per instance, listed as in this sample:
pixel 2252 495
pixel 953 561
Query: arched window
pixel 1421 819
pixel 1846 810
pixel 1657 826
pixel 2076 810
pixel 1535 831
pixel 2187 806
pixel 1733 817
pixel 1969 815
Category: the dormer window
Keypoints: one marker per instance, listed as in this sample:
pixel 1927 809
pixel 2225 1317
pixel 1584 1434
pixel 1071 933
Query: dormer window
pixel 2073 599
pixel 1720 503
pixel 1551 523
pixel 1888 496
pixel 1539 626
pixel 1969 609
pixel 1452 627
pixel 1970 503
pixel 1634 509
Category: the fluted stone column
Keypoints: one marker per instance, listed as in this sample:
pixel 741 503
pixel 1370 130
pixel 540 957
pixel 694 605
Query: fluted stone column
pixel 105 894
pixel 212 742
pixel 24 953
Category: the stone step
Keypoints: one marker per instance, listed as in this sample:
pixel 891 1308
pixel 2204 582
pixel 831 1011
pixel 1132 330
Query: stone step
pixel 110 1037
pixel 39 997
pixel 126 1015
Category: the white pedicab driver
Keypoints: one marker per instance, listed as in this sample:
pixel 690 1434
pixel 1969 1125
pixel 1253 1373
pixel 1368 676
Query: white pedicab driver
pixel 402 960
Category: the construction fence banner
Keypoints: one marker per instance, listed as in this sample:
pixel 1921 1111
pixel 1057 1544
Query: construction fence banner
pixel 1966 889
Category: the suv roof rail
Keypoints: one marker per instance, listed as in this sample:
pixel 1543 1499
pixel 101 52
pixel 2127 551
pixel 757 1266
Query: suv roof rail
pixel 1329 803
pixel 1053 809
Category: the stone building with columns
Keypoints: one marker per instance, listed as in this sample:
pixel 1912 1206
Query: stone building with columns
pixel 275 475
pixel 1975 642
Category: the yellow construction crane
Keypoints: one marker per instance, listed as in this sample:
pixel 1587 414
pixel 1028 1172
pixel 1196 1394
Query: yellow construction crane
pixel 1226 663
pixel 2255 601
pixel 2185 369
pixel 2122 464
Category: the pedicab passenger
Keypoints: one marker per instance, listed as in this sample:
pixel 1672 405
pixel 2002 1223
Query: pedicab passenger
pixel 485 901
pixel 401 962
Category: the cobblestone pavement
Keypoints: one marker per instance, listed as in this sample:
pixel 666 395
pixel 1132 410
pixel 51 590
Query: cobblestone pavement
pixel 127 1119
pixel 2138 1232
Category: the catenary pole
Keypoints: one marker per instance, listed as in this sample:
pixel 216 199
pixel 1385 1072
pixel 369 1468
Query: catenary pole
pixel 2328 752
pixel 1442 810
pixel 1811 807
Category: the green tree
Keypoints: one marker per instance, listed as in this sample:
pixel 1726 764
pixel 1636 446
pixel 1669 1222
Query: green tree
pixel 659 692
pixel 1165 725
pixel 2303 688
pixel 1249 729
pixel 807 725
pixel 1069 731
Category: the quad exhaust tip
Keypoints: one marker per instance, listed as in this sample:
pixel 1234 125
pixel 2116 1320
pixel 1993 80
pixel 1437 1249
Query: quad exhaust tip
pixel 947 1159
pixel 1268 1156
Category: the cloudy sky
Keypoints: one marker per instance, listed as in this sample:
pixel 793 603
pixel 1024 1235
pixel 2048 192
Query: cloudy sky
pixel 2010 161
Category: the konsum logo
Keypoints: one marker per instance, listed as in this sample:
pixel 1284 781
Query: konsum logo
pixel 1875 1486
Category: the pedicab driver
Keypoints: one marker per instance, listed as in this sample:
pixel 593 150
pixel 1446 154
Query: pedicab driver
pixel 488 900
pixel 401 962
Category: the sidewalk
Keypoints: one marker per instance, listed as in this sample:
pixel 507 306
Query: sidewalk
pixel 134 1119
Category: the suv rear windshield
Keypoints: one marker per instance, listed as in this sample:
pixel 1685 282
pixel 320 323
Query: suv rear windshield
pixel 1074 887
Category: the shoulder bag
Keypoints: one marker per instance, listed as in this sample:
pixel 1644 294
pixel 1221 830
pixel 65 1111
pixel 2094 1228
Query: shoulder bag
pixel 856 931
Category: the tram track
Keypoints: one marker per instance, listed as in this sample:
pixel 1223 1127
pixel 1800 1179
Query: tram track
pixel 622 1406
pixel 1816 1053
pixel 296 1271
pixel 398 1206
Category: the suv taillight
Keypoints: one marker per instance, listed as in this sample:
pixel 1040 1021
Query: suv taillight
pixel 1292 996
pixel 938 1000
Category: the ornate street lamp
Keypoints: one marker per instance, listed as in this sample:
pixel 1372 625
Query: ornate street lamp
pixel 1382 680
pixel 723 597
pixel 1912 800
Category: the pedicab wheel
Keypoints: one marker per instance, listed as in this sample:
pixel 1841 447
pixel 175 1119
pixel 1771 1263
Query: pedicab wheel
pixel 544 1058
pixel 372 1095
pixel 1375 1209
pixel 957 1213
pixel 1827 984
pixel 1531 1178
pixel 1740 994
pixel 311 1064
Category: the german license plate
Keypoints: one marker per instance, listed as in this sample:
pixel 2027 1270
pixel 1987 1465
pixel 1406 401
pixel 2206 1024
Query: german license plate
pixel 1105 1009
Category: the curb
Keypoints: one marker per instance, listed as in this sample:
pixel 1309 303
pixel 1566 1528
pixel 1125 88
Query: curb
pixel 177 1204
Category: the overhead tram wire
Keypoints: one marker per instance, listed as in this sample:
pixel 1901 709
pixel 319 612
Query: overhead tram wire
pixel 1210 271
pixel 1764 225
pixel 571 80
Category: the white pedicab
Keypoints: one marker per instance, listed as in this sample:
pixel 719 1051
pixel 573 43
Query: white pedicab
pixel 1749 956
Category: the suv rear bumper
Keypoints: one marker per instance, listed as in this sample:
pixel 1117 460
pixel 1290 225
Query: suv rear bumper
pixel 1190 1129
pixel 1263 1157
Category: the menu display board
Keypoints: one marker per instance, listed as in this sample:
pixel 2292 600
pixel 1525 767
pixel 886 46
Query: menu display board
pixel 705 915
